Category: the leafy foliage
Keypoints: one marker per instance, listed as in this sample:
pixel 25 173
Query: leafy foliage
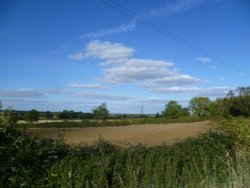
pixel 173 110
pixel 32 116
pixel 239 130
pixel 101 112
pixel 199 106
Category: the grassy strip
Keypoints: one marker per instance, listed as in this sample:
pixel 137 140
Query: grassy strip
pixel 122 122
pixel 141 121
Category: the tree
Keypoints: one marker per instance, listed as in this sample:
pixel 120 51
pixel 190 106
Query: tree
pixel 32 116
pixel 200 106
pixel 101 112
pixel 185 112
pixel 237 102
pixel 10 116
pixel 172 110
pixel 48 115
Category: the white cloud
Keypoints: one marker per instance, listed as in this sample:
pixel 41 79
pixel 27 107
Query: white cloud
pixel 123 28
pixel 60 91
pixel 214 91
pixel 167 9
pixel 133 70
pixel 88 86
pixel 175 80
pixel 78 56
pixel 107 50
pixel 204 60
pixel 20 93
pixel 119 66
pixel 175 7
pixel 103 50
pixel 98 96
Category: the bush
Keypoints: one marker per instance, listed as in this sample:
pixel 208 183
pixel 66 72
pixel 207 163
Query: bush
pixel 239 130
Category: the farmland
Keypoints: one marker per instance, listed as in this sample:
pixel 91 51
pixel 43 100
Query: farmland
pixel 149 135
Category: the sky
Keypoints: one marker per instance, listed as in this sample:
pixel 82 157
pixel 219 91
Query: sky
pixel 131 55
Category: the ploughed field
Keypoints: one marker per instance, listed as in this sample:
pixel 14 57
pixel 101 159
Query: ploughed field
pixel 148 135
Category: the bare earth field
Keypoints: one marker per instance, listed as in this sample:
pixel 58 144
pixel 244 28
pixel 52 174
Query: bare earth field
pixel 149 135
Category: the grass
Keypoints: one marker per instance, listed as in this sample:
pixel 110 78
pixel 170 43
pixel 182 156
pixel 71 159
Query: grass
pixel 121 122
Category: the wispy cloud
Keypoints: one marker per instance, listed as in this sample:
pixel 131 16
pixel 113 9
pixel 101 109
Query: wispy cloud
pixel 60 91
pixel 88 86
pixel 104 97
pixel 204 60
pixel 174 7
pixel 175 80
pixel 123 28
pixel 167 9
pixel 214 91
pixel 20 93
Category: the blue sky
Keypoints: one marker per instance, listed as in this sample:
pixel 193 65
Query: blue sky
pixel 57 55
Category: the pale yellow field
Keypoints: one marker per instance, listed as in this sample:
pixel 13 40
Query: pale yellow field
pixel 149 135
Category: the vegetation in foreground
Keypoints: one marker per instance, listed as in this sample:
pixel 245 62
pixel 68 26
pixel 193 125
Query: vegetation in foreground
pixel 215 159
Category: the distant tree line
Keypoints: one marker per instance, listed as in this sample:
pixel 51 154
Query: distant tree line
pixel 235 103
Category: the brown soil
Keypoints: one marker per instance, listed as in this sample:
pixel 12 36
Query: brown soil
pixel 149 135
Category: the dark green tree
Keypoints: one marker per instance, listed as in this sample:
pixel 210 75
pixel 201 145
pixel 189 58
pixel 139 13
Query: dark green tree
pixel 172 110
pixel 185 112
pixel 101 112
pixel 32 116
pixel 48 115
pixel 237 102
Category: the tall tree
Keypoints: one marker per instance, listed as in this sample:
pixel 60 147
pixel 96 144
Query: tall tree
pixel 239 103
pixel 32 116
pixel 101 112
pixel 48 115
pixel 172 110
pixel 200 106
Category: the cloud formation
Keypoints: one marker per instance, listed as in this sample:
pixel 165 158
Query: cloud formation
pixel 204 60
pixel 174 7
pixel 105 97
pixel 165 10
pixel 119 66
pixel 174 80
pixel 214 91
pixel 88 86
pixel 103 50
pixel 123 28
pixel 20 93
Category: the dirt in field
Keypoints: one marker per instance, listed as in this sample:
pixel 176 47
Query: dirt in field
pixel 149 135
